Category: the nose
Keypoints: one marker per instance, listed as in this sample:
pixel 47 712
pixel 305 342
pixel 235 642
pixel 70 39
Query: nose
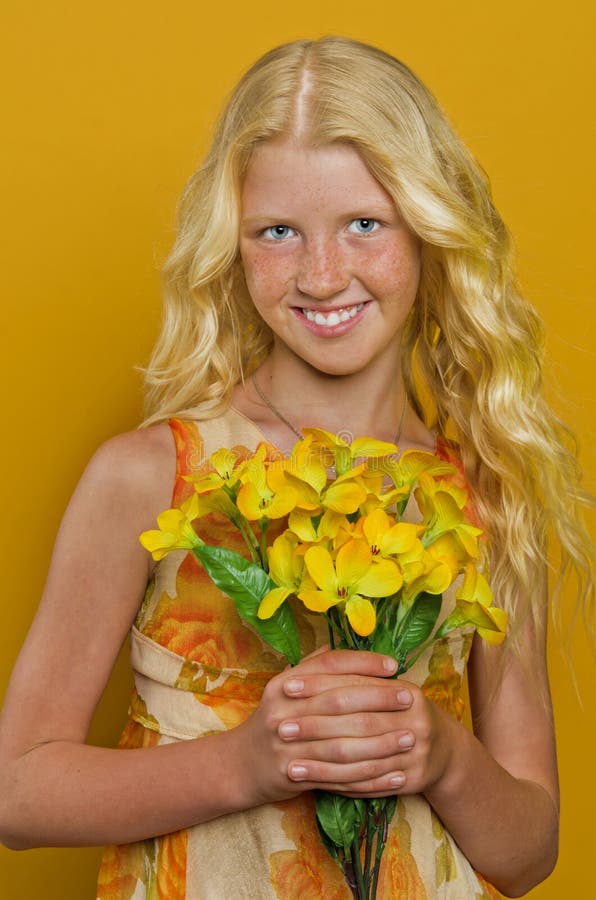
pixel 323 270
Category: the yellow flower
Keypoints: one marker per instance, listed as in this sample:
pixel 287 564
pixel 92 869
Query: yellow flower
pixel 448 549
pixel 403 473
pixel 349 582
pixel 311 529
pixel 474 599
pixel 378 495
pixel 261 497
pixel 226 471
pixel 344 453
pixel 345 493
pixel 217 501
pixel 285 568
pixel 387 538
pixel 413 463
pixel 175 530
pixel 423 573
pixel 474 587
pixel 442 505
pixel 305 472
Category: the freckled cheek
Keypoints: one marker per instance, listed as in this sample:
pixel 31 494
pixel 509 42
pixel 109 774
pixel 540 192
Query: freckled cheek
pixel 266 279
pixel 392 274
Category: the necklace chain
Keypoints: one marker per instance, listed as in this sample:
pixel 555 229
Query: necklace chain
pixel 268 402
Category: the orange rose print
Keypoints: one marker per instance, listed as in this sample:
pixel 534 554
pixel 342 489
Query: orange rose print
pixel 399 875
pixel 308 871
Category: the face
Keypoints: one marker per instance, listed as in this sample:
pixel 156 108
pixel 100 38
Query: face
pixel 329 263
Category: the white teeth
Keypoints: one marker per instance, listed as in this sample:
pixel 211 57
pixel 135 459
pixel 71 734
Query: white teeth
pixel 334 317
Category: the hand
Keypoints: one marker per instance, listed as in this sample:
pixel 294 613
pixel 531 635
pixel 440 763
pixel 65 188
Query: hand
pixel 374 738
pixel 332 722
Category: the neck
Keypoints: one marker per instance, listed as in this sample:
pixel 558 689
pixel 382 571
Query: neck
pixel 369 402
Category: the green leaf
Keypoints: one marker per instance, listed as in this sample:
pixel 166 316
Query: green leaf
pixel 382 641
pixel 390 804
pixel 328 843
pixel 418 623
pixel 246 584
pixel 339 818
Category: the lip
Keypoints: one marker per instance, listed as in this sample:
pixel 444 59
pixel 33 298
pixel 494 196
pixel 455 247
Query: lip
pixel 330 330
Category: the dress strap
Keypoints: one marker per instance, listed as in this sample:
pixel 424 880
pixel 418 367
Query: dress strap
pixel 190 456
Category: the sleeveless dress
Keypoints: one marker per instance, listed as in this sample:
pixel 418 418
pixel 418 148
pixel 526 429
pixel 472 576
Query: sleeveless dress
pixel 198 669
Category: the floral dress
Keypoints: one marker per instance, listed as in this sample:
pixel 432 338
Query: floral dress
pixel 198 669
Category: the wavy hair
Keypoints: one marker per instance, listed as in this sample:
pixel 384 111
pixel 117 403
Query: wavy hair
pixel 472 349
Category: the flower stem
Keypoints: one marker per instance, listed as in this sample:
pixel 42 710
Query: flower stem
pixel 250 541
pixel 331 635
pixel 382 830
pixel 358 868
pixel 370 832
pixel 264 525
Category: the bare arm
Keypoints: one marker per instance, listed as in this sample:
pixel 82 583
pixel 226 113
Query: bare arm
pixel 499 794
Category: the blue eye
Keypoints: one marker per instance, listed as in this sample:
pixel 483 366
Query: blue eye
pixel 278 232
pixel 363 226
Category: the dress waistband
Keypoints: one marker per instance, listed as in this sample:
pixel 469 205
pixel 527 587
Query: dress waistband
pixel 184 699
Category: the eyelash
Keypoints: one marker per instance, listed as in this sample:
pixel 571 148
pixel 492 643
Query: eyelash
pixel 269 232
pixel 366 219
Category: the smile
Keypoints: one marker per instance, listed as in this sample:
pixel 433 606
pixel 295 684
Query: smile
pixel 336 317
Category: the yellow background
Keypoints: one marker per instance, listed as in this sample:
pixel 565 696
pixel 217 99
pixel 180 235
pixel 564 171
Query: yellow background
pixel 108 110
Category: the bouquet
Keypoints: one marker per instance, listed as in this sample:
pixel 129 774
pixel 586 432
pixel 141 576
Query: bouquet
pixel 347 554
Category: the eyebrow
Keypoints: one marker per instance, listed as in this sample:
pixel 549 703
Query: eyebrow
pixel 363 211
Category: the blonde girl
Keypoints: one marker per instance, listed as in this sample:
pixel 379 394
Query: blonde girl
pixel 339 263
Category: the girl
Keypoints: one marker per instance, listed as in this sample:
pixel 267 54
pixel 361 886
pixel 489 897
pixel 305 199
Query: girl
pixel 339 263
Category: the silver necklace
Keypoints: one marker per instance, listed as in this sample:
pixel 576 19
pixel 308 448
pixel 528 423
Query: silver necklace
pixel 300 436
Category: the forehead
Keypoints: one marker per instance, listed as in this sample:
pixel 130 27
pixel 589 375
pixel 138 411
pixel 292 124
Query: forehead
pixel 287 172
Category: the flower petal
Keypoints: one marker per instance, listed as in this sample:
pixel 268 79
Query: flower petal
pixel 318 601
pixel 382 579
pixel 361 615
pixel 320 567
pixel 367 446
pixel 375 526
pixel 281 559
pixel 500 619
pixel 353 561
pixel 272 601
pixel 248 502
pixel 345 497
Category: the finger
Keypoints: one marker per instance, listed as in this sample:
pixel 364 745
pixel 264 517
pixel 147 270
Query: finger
pixel 324 697
pixel 362 779
pixel 353 725
pixel 361 662
pixel 347 750
pixel 324 649
pixel 306 685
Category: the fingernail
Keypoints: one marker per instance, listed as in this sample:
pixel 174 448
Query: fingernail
pixel 397 780
pixel 288 729
pixel 298 773
pixel 390 665
pixel 406 740
pixel 294 685
pixel 404 697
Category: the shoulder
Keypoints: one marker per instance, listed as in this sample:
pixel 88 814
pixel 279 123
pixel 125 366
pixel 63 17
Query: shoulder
pixel 137 465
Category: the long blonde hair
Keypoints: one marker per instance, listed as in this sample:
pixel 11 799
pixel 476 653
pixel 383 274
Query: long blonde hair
pixel 472 348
